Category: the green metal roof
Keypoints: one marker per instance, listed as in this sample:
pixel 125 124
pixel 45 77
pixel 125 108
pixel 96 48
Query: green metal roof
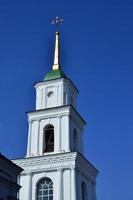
pixel 54 74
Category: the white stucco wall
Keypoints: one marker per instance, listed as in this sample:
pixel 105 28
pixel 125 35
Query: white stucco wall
pixel 56 105
pixel 64 120
pixel 62 90
pixel 67 171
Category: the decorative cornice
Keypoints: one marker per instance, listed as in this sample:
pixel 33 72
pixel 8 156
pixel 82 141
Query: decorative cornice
pixel 42 83
pixel 83 165
pixel 67 110
pixel 56 160
pixel 70 160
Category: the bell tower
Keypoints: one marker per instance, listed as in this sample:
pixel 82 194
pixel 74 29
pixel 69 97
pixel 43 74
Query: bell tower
pixel 54 167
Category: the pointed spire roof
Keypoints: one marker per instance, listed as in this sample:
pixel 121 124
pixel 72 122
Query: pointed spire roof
pixel 56 65
pixel 56 72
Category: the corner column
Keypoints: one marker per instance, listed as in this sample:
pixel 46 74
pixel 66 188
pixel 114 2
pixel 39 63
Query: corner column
pixel 73 184
pixel 58 143
pixel 29 139
pixel 29 186
pixel 67 133
pixel 38 136
pixel 60 184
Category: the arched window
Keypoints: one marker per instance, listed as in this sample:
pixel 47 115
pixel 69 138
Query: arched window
pixel 84 191
pixel 48 135
pixel 75 140
pixel 45 189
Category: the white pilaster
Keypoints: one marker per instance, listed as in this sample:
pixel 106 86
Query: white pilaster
pixel 62 94
pixel 67 134
pixel 29 140
pixel 58 134
pixel 79 197
pixel 18 182
pixel 29 193
pixel 60 184
pixel 44 98
pixel 73 184
pixel 38 135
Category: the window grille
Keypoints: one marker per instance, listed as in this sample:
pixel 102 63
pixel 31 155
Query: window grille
pixel 45 189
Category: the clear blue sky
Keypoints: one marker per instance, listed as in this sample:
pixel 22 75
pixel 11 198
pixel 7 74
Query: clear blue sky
pixel 97 54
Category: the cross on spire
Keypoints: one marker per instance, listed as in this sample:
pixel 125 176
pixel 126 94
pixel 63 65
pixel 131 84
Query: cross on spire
pixel 56 65
pixel 57 22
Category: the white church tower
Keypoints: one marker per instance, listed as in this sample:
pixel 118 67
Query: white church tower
pixel 54 167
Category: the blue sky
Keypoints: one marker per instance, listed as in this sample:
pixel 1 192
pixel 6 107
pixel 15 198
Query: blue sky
pixel 97 54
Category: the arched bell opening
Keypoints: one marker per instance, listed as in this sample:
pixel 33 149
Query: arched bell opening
pixel 48 139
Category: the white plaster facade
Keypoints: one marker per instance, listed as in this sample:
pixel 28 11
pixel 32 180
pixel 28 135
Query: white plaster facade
pixel 65 166
pixel 65 120
pixel 56 92
pixel 51 108
pixel 66 170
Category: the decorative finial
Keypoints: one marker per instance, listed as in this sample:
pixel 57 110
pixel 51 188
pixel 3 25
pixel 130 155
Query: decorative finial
pixel 56 65
pixel 57 22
